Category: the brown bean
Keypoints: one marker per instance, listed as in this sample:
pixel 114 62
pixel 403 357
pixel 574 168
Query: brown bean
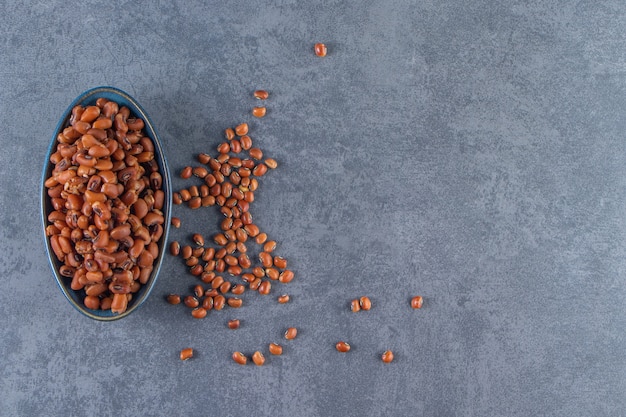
pixel 191 301
pixel 272 273
pixel 186 354
pixel 229 134
pixel 365 303
pixel 175 248
pixel 280 262
pixel 239 358
pixel 234 302
pixel 218 302
pixel 176 222
pixel 259 111
pixel 256 153
pixel 246 142
pixel 387 356
pixel 198 313
pixel 320 49
pixel 92 302
pixel 173 299
pixel 258 358
pixel 186 172
pixel 342 347
pixel 233 324
pixel 265 287
pixel 119 303
pixel 291 333
pixel 286 276
pixel 198 239
pixel 266 259
pixel 275 349
pixel 259 170
pixel 283 299
pixel 261 94
pixel 241 129
pixel 355 306
pixel 261 238
pixel 417 301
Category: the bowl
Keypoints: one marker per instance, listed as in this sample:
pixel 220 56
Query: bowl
pixel 76 297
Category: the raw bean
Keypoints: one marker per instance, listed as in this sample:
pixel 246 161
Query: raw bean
pixel 176 222
pixel 198 239
pixel 191 301
pixel 291 333
pixel 186 354
pixel 233 324
pixel 175 248
pixel 269 246
pixel 387 356
pixel 286 276
pixel 320 49
pixel 186 172
pixel 246 142
pixel 186 252
pixel 355 306
pixel 256 153
pixel 258 358
pixel 198 291
pixel 275 349
pixel 173 299
pixel 280 262
pixel 198 313
pixel 265 287
pixel 259 170
pixel 342 347
pixel 261 238
pixel 271 163
pixel 283 299
pixel 235 302
pixel 261 94
pixel 218 302
pixel 240 358
pixel 241 129
pixel 266 259
pixel 259 111
pixel 238 289
pixel 365 303
pixel 272 273
pixel 417 301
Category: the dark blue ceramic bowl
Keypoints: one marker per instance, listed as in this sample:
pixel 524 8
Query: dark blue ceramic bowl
pixel 75 298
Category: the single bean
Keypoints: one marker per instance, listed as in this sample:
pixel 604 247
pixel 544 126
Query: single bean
pixel 275 349
pixel 283 299
pixel 261 94
pixel 320 49
pixel 233 324
pixel 259 111
pixel 241 129
pixel 291 333
pixel 417 301
pixel 198 313
pixel 173 299
pixel 355 306
pixel 186 354
pixel 365 303
pixel 258 358
pixel 239 358
pixel 387 356
pixel 342 347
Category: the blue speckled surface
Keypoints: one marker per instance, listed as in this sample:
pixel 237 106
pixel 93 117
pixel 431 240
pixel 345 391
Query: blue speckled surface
pixel 469 151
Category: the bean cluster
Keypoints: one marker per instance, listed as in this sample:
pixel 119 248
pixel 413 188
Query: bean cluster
pixel 229 181
pixel 106 193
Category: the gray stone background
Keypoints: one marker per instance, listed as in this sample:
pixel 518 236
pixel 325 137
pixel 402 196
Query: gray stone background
pixel 469 151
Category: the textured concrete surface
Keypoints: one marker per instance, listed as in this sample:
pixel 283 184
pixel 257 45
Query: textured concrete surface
pixel 469 151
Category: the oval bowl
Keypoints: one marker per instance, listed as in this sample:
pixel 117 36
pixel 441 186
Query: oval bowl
pixel 76 298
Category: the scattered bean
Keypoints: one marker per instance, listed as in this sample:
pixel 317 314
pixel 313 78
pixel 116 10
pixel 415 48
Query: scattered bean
pixel 186 354
pixel 291 333
pixel 275 349
pixel 387 356
pixel 365 303
pixel 320 49
pixel 240 358
pixel 233 324
pixel 342 347
pixel 417 301
pixel 258 358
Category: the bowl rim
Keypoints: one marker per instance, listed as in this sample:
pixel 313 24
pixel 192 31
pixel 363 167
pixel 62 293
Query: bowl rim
pixel 85 98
